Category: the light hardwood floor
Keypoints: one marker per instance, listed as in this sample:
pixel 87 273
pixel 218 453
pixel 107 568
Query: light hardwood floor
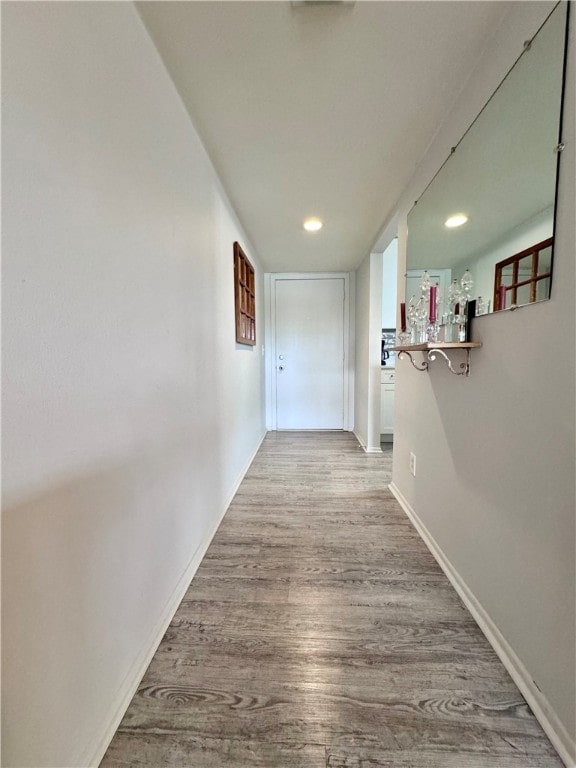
pixel 319 632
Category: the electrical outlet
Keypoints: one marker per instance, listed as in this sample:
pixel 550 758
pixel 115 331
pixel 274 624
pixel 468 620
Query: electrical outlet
pixel 413 464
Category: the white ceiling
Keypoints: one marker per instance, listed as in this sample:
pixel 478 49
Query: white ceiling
pixel 318 109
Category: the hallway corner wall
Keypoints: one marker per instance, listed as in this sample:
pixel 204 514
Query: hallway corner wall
pixel 130 413
pixel 495 486
pixel 368 332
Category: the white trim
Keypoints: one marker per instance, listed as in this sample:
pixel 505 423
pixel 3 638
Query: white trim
pixel 92 756
pixel 374 354
pixel 269 357
pixel 271 279
pixel 537 701
pixel 346 352
pixel 351 362
pixel 363 444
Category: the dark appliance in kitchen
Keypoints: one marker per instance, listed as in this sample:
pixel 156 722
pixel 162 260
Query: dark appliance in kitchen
pixel 388 341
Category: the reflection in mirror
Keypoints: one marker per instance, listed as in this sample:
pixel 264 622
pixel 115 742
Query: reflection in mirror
pixel 524 276
pixel 490 208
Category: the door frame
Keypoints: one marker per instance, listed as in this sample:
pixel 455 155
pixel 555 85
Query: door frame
pixel 270 280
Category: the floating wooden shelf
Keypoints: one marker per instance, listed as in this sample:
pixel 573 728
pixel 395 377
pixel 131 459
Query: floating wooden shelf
pixel 433 350
pixel 437 345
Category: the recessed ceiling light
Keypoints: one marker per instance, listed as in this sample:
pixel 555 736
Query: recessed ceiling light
pixel 312 225
pixel 456 221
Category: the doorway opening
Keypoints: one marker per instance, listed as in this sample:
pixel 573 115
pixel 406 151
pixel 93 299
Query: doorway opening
pixel 388 357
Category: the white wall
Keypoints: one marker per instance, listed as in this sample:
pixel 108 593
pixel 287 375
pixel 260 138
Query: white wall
pixel 495 452
pixel 130 414
pixel 368 333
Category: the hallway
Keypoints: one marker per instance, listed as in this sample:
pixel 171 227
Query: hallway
pixel 319 632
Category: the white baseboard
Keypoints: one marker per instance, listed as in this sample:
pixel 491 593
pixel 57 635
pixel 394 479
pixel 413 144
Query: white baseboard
pixel 363 444
pixel 93 754
pixel 537 701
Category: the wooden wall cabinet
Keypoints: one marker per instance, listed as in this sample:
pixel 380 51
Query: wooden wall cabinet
pixel 244 298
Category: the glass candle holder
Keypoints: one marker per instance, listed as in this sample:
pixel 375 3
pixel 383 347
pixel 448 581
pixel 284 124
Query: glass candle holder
pixel 403 338
pixel 449 329
pixel 460 322
pixel 432 332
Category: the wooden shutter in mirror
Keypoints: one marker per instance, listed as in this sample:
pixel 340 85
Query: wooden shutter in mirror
pixel 245 298
pixel 526 275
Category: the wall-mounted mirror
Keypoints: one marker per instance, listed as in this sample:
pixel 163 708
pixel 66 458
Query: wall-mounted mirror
pixel 502 177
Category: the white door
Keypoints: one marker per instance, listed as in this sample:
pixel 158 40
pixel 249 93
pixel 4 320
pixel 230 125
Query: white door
pixel 310 353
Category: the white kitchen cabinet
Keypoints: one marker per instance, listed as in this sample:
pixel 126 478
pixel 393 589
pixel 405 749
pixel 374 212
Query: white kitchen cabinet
pixel 387 404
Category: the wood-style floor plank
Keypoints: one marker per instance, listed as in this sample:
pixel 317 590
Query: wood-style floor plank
pixel 319 632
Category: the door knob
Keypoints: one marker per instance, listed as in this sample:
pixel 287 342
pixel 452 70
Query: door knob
pixel 280 367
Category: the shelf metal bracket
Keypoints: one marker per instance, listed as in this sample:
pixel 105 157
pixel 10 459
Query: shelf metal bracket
pixel 423 367
pixel 432 354
pixel 465 367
